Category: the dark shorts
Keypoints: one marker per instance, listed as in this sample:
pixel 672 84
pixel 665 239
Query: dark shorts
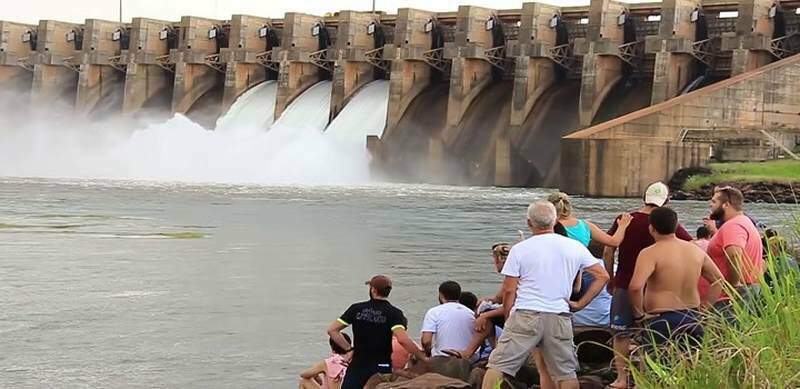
pixel 621 311
pixel 682 327
pixel 499 321
pixel 749 299
pixel 357 375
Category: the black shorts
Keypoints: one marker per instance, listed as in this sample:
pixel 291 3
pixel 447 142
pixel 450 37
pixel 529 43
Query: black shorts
pixel 499 321
pixel 357 375
pixel 681 326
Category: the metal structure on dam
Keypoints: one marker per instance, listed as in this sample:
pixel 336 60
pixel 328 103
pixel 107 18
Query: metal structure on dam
pixel 598 99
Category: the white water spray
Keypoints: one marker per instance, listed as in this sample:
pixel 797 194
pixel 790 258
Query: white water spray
pixel 294 150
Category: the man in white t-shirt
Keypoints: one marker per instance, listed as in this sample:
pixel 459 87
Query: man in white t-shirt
pixel 538 281
pixel 448 326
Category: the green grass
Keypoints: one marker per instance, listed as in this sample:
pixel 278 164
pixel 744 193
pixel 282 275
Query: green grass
pixel 743 172
pixel 763 351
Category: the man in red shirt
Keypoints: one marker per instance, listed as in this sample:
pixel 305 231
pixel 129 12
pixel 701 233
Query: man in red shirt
pixel 637 238
pixel 735 248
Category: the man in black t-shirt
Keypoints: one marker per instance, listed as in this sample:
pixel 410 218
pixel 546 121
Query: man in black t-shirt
pixel 374 322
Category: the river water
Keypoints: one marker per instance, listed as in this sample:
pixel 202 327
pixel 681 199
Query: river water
pixel 135 284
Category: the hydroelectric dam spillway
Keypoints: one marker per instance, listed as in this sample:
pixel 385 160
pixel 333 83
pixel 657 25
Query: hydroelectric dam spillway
pixel 598 99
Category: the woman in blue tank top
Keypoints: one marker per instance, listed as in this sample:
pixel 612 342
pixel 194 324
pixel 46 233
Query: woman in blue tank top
pixel 584 231
pixel 598 312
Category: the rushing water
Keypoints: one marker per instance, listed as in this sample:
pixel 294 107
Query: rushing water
pixel 125 284
pixel 247 147
pixel 254 109
pixel 364 115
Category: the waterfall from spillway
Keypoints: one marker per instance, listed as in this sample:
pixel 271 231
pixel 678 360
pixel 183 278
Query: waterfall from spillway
pixel 294 150
pixel 364 115
pixel 255 109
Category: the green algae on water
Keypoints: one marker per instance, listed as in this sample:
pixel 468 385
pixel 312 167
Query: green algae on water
pixel 182 235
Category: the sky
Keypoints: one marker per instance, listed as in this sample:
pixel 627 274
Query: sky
pixel 31 11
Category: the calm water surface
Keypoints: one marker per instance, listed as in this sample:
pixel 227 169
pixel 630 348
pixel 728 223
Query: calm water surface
pixel 114 284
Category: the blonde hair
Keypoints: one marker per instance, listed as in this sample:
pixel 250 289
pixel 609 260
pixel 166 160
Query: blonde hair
pixel 562 203
pixel 500 250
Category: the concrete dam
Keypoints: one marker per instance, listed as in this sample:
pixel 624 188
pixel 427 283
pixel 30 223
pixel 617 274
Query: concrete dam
pixel 600 100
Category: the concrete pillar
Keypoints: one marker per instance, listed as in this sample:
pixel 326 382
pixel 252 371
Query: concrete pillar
pixel 469 72
pixel 534 73
pixel 409 74
pixel 15 45
pixel 95 83
pixel 602 67
pixel 192 81
pixel 193 78
pixel 242 72
pixel 296 72
pixel 754 30
pixel 503 161
pixel 52 79
pixel 675 67
pixel 97 80
pixel 350 71
pixel 144 79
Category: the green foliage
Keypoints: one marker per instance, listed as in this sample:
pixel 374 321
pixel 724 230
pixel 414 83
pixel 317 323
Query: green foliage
pixel 771 171
pixel 762 351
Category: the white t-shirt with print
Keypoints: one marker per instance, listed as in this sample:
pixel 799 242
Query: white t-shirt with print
pixel 546 266
pixel 452 325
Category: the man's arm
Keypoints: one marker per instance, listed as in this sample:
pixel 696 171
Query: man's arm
pixel 735 255
pixel 485 318
pixel 408 344
pixel 608 260
pixel 645 265
pixel 600 278
pixel 427 342
pixel 335 332
pixel 615 238
pixel 509 294
pixel 682 234
pixel 711 273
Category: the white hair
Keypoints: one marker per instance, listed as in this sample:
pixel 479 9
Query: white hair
pixel 542 214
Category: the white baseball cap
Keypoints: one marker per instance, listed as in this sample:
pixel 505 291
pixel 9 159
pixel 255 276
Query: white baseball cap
pixel 656 194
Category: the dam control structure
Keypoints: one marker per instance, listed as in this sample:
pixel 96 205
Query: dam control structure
pixel 599 100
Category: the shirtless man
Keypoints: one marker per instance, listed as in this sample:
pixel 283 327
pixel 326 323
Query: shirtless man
pixel 670 269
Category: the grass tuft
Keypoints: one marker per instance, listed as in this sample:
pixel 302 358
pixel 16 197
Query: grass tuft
pixel 781 171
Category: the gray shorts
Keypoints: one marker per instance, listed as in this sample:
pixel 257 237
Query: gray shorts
pixel 524 331
pixel 621 311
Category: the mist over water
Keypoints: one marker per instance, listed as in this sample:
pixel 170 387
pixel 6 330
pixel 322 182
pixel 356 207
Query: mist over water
pixel 249 145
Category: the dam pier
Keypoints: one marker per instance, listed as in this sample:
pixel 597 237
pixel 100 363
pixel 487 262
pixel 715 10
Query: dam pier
pixel 599 100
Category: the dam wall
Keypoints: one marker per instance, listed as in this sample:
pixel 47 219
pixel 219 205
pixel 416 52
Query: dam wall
pixel 531 96
pixel 623 156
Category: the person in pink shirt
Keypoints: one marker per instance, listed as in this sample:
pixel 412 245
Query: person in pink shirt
pixel 735 248
pixel 328 373
pixel 703 236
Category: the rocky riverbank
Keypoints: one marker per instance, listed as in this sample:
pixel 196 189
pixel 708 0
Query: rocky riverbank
pixel 756 191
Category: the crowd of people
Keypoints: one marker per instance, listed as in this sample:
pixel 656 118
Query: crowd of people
pixel 651 286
